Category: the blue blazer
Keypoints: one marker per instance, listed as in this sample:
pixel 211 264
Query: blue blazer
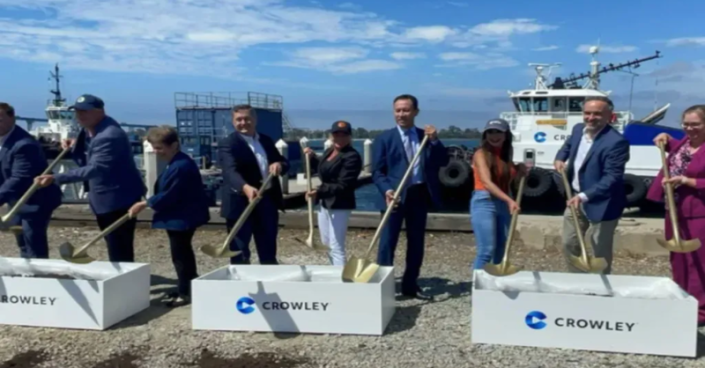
pixel 21 160
pixel 389 164
pixel 240 167
pixel 106 167
pixel 179 201
pixel 601 176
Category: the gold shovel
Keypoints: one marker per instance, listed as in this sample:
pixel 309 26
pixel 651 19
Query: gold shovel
pixel 584 262
pixel 32 189
pixel 676 245
pixel 360 269
pixel 69 253
pixel 505 268
pixel 309 186
pixel 224 251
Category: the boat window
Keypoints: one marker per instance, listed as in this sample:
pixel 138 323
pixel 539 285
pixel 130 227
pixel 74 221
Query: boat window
pixel 67 115
pixel 575 104
pixel 540 104
pixel 525 104
pixel 54 115
pixel 558 104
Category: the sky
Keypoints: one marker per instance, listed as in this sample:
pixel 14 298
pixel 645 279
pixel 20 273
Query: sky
pixel 332 60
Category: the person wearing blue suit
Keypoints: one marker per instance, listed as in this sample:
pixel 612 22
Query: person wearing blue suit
pixel 107 168
pixel 21 160
pixel 180 206
pixel 393 150
pixel 247 158
pixel 597 156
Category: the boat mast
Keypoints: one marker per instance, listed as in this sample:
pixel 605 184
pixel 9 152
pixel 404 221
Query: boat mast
pixel 58 100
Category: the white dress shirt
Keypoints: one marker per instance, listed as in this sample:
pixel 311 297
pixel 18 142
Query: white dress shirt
pixel 583 148
pixel 260 154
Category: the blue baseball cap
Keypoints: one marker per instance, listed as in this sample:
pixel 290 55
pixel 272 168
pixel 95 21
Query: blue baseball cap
pixel 87 102
pixel 496 124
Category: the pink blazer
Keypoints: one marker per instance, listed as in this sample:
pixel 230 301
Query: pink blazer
pixel 691 202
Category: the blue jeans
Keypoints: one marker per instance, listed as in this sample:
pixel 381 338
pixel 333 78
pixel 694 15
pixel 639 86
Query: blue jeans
pixel 490 220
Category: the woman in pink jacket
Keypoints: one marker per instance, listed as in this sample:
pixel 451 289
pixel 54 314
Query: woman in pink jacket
pixel 686 165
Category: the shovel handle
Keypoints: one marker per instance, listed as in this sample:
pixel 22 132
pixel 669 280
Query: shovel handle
pixel 243 217
pixel 513 223
pixel 34 187
pixel 576 223
pixel 309 187
pixel 105 232
pixel 669 195
pixel 397 193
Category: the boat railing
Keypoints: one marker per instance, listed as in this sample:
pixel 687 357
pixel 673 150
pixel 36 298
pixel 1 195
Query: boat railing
pixel 512 117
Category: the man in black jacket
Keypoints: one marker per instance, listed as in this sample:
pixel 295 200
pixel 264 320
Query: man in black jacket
pixel 246 158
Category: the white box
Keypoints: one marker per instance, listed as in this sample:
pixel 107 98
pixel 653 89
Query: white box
pixel 323 305
pixel 120 291
pixel 644 315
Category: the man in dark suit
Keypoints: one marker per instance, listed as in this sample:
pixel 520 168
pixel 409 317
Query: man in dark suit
pixel 393 151
pixel 21 160
pixel 598 156
pixel 107 168
pixel 246 158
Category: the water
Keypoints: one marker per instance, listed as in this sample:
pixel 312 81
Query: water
pixel 367 195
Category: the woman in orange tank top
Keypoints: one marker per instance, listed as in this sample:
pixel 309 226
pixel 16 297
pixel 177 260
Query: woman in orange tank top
pixel 491 204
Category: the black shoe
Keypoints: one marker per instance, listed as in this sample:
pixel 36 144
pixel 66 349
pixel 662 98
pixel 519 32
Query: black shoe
pixel 417 294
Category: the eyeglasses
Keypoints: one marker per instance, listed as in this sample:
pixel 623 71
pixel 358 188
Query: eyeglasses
pixel 687 125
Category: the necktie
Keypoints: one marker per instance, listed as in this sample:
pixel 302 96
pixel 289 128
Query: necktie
pixel 408 146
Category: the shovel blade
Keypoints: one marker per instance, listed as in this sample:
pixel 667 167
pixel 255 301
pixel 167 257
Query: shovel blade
pixel 593 265
pixel 685 246
pixel 501 269
pixel 359 270
pixel 218 252
pixel 67 250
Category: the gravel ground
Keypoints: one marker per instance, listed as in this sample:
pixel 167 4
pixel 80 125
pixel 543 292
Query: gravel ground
pixel 421 334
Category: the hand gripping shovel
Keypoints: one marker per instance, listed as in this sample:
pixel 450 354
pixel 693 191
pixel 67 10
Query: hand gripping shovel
pixel 69 253
pixel 224 251
pixel 309 241
pixel 676 245
pixel 505 268
pixel 584 262
pixel 360 269
pixel 30 191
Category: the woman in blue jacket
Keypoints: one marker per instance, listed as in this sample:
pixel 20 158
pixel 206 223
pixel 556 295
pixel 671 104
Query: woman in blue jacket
pixel 180 206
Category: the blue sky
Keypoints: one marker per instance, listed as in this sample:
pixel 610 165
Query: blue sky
pixel 342 59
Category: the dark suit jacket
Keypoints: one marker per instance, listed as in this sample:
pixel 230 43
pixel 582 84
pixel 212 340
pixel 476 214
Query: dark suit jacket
pixel 240 167
pixel 601 176
pixel 691 201
pixel 389 164
pixel 338 178
pixel 107 168
pixel 179 201
pixel 21 160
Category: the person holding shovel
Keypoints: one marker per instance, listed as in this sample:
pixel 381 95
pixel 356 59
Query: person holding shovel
pixel 491 205
pixel 686 166
pixel 180 206
pixel 393 151
pixel 338 168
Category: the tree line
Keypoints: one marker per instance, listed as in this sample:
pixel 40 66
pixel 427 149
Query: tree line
pixel 452 132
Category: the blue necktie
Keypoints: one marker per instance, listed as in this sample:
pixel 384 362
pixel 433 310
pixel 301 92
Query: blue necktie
pixel 408 146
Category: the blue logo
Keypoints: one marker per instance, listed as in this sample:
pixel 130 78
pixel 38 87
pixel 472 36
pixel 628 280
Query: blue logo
pixel 245 305
pixel 535 320
pixel 540 137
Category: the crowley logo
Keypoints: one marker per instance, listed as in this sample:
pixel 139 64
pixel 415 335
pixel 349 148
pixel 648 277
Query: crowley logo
pixel 245 305
pixel 25 299
pixel 537 320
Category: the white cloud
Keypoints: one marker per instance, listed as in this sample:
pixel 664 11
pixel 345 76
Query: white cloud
pixel 339 60
pixel 686 41
pixel 607 49
pixel 480 62
pixel 429 33
pixel 458 4
pixel 407 55
pixel 508 27
pixel 547 48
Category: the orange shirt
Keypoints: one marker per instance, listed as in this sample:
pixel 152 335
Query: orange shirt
pixel 499 166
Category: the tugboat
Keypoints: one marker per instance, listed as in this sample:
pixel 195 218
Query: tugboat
pixel 543 120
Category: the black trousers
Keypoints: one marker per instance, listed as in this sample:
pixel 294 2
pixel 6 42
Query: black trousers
pixel 263 224
pixel 183 257
pixel 121 242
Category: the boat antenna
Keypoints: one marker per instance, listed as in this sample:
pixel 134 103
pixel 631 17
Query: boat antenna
pixel 58 100
pixel 596 71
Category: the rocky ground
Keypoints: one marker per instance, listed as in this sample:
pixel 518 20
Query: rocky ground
pixel 421 334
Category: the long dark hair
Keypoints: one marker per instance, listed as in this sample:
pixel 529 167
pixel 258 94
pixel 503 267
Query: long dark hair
pixel 505 155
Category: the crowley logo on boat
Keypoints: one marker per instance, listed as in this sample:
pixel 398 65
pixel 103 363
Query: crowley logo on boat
pixel 246 305
pixel 26 299
pixel 538 320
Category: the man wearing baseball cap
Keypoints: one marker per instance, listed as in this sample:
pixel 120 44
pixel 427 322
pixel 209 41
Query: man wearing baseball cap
pixel 107 168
